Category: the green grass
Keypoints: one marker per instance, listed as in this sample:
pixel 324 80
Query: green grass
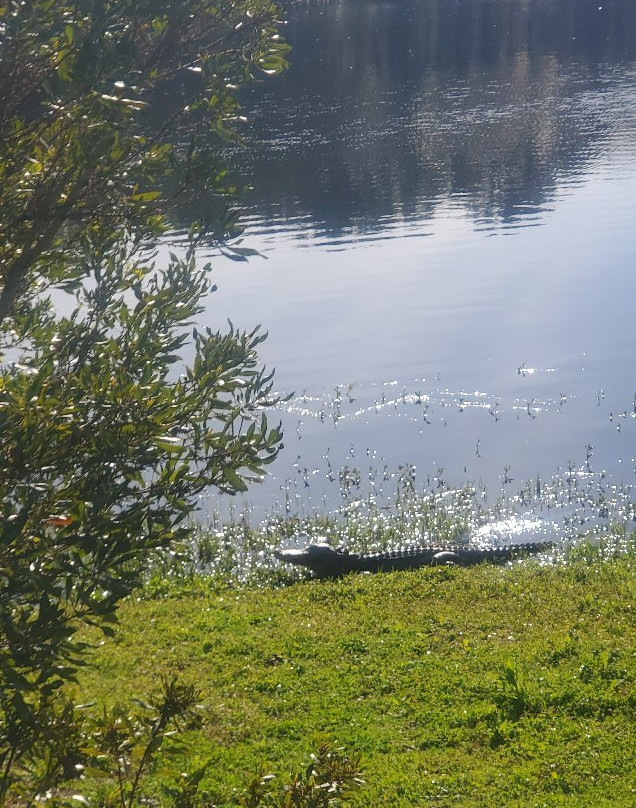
pixel 473 687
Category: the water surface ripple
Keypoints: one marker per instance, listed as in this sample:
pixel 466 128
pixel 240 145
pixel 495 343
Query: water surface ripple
pixel 445 194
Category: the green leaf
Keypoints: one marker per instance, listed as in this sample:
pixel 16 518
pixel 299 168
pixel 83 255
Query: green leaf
pixel 233 478
pixel 167 444
pixel 146 196
pixel 92 771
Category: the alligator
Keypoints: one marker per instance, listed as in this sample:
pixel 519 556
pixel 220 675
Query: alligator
pixel 326 561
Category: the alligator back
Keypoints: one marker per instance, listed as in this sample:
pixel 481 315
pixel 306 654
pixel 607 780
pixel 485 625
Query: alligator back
pixel 325 561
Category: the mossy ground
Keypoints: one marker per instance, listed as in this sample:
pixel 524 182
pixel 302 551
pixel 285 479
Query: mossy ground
pixel 488 686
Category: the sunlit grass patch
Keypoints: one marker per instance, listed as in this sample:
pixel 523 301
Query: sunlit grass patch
pixel 471 687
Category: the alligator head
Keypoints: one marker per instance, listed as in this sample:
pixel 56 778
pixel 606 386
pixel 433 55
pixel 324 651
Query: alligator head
pixel 320 558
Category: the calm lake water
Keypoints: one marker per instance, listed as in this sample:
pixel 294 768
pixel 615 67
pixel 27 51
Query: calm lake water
pixel 444 195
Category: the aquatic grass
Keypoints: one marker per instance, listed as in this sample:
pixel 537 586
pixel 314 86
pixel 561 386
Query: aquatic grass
pixel 406 423
pixel 579 512
pixel 242 553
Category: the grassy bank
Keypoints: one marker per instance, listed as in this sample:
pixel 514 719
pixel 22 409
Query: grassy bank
pixel 459 687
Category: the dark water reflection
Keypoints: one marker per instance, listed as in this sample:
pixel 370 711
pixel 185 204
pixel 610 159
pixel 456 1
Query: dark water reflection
pixel 390 108
pixel 406 139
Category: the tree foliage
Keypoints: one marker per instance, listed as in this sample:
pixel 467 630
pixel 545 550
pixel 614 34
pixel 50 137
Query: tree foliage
pixel 104 456
pixel 111 115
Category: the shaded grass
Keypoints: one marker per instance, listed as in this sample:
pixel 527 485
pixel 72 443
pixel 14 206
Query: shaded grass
pixel 460 687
